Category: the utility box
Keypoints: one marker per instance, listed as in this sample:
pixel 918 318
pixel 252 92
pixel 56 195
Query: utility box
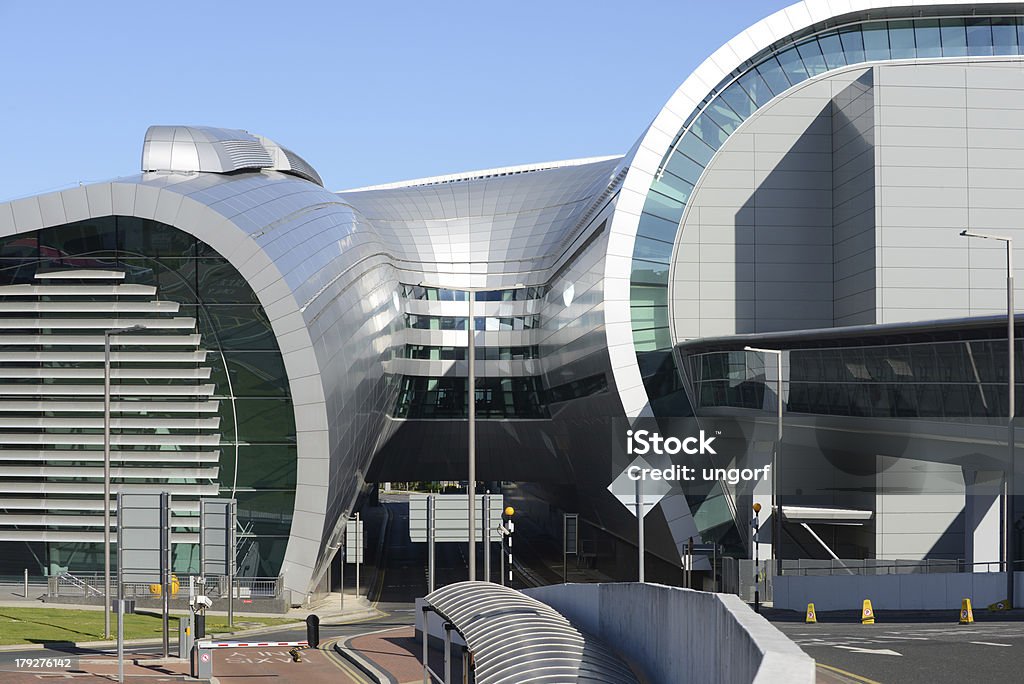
pixel 204 663
pixel 186 637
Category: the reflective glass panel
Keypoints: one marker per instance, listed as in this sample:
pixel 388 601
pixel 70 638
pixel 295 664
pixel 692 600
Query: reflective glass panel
pixel 876 41
pixel 954 37
pixel 927 38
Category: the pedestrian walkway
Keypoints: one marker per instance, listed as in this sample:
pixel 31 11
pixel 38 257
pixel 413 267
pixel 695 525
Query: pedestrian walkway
pixel 393 656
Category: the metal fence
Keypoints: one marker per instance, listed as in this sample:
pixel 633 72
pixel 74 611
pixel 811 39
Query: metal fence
pixel 89 587
pixel 871 566
pixel 738 576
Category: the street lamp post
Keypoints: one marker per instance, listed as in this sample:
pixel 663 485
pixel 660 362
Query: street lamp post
pixel 471 401
pixel 776 460
pixel 756 524
pixel 106 470
pixel 1008 481
pixel 471 416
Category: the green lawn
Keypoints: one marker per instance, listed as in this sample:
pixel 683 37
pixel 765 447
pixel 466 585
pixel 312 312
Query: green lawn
pixel 43 625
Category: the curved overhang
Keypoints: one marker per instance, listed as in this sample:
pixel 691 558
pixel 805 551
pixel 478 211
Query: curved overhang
pixel 649 155
pixel 165 198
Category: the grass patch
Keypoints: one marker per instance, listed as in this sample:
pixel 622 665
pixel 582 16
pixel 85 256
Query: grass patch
pixel 54 625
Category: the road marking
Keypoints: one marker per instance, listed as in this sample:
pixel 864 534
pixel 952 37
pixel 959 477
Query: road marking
pixel 340 663
pixel 989 643
pixel 873 651
pixel 854 677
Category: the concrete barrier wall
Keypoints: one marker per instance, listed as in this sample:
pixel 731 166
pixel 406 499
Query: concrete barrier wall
pixel 677 636
pixel 937 591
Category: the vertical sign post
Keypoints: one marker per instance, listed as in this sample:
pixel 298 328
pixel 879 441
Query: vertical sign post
pixel 486 518
pixel 165 567
pixel 570 541
pixel 359 547
pixel 143 550
pixel 640 526
pixel 217 543
pixel 431 517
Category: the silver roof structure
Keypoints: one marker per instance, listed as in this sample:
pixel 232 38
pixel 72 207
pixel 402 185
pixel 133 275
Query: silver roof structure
pixel 515 638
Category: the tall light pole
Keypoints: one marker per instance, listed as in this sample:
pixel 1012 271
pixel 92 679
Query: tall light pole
pixel 776 458
pixel 1008 481
pixel 471 417
pixel 471 401
pixel 106 470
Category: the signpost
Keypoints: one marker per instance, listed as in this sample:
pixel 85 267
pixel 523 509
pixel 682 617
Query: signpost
pixel 143 554
pixel 570 541
pixel 354 544
pixel 440 518
pixel 217 544
pixel 639 496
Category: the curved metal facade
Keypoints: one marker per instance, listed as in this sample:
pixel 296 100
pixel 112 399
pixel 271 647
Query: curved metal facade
pixel 364 289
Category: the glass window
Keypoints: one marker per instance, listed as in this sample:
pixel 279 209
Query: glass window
pixel 876 41
pixel 901 39
pixel 220 283
pixel 267 466
pixel 708 131
pixel 853 44
pixel 812 57
pixel 145 238
pixel 926 36
pixel 723 115
pixel 657 228
pixel 739 102
pixel 755 87
pixel 832 50
pixel 954 37
pixel 255 374
pixel 682 166
pixel 648 272
pixel 979 37
pixel 664 208
pixel 695 149
pixel 673 187
pixel 1004 36
pixel 649 316
pixel 266 420
pixel 792 65
pixel 232 326
pixel 646 295
pixel 767 81
pixel 652 250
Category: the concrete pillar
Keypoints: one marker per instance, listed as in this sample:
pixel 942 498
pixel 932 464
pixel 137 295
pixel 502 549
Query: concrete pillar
pixel 982 531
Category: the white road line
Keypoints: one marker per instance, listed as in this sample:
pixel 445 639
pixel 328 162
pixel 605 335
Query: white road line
pixel 872 651
pixel 985 643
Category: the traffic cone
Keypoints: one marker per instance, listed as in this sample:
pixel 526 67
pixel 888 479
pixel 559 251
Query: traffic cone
pixel 999 605
pixel 966 612
pixel 811 618
pixel 867 615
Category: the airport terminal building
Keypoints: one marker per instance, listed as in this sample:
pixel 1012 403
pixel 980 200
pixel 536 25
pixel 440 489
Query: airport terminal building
pixel 803 190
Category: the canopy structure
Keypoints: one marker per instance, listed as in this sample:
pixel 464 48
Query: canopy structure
pixel 514 638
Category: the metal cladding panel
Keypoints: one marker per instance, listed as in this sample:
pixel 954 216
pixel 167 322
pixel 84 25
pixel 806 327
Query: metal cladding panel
pixel 515 638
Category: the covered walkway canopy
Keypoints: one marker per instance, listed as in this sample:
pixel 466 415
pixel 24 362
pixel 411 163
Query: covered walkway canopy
pixel 514 638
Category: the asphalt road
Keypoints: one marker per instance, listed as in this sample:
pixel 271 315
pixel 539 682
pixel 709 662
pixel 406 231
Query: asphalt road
pixel 915 652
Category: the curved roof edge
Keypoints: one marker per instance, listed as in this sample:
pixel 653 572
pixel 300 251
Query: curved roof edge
pixel 483 173
pixel 652 146
pixel 190 149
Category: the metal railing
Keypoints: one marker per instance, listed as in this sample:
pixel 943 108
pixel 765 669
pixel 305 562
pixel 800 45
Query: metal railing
pixel 89 585
pixel 870 566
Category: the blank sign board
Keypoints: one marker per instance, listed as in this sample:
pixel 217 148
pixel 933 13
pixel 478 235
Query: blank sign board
pixel 452 512
pixel 216 529
pixel 143 536
pixel 355 540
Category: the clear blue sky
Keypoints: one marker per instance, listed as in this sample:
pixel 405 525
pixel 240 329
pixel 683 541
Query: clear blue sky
pixel 367 92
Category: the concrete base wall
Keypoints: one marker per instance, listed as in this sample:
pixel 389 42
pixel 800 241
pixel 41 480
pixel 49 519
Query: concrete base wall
pixel 676 635
pixel 938 591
